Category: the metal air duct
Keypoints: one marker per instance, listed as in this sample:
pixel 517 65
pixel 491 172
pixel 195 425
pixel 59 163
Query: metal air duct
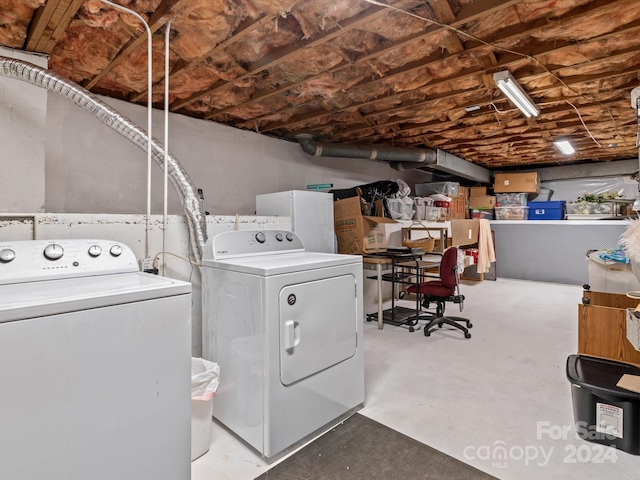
pixel 196 219
pixel 418 156
pixel 400 158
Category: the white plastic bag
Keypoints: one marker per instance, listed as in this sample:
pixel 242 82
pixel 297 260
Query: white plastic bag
pixel 401 208
pixel 205 377
pixel 404 190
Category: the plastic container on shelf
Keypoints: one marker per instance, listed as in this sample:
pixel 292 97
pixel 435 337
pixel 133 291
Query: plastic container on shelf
pixel 451 189
pixel 610 277
pixel 509 199
pixel 512 212
pixel 554 210
pixel 587 208
pixel 487 214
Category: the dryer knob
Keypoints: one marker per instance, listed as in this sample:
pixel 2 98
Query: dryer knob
pixel 116 250
pixel 7 255
pixel 261 237
pixel 279 237
pixel 53 251
pixel 95 251
pixel 290 236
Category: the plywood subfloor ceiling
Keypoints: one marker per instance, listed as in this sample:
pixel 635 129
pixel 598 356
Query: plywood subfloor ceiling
pixel 392 73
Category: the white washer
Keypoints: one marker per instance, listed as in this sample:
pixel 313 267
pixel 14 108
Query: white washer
pixel 285 326
pixel 95 364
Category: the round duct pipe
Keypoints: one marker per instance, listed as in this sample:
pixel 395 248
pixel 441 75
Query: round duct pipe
pixel 40 77
pixel 408 157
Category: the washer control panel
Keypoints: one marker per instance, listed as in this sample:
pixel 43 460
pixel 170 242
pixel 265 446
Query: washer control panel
pixel 239 243
pixel 34 260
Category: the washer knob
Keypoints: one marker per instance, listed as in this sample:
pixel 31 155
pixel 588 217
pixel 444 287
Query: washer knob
pixel 116 250
pixel 290 236
pixel 53 251
pixel 6 255
pixel 279 237
pixel 95 251
pixel 261 237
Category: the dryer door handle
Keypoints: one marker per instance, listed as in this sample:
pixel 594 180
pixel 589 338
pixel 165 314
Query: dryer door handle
pixel 291 334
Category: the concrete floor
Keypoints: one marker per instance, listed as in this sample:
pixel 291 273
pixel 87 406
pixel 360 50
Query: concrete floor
pixel 499 401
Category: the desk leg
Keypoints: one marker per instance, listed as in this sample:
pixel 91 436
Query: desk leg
pixel 380 317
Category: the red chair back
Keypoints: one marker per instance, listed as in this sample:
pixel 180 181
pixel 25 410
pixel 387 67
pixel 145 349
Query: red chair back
pixel 447 271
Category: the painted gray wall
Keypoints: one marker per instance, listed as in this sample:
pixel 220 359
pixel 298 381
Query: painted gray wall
pixel 91 169
pixel 552 251
pixel 22 140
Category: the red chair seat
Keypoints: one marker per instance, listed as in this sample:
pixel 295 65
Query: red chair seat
pixel 432 289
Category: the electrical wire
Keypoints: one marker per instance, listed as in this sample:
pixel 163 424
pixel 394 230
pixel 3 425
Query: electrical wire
pixel 157 258
pixel 583 124
pixel 504 49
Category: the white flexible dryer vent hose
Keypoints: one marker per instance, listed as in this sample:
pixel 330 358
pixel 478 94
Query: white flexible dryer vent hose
pixel 196 219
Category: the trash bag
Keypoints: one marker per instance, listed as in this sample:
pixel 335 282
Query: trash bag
pixel 404 190
pixel 205 377
pixel 370 191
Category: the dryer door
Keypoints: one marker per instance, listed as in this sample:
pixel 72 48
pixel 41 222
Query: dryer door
pixel 317 326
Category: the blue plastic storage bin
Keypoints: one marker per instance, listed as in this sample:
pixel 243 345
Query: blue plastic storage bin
pixel 553 210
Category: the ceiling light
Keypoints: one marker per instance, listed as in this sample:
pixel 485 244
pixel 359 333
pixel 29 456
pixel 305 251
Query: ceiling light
pixel 565 147
pixel 512 89
pixel 472 108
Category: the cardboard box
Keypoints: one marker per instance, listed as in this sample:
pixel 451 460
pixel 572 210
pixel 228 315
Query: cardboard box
pixel 464 232
pixel 458 207
pixel 516 182
pixel 477 191
pixel 484 201
pixel 357 233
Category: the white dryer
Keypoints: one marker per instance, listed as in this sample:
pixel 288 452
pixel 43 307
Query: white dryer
pixel 285 326
pixel 95 365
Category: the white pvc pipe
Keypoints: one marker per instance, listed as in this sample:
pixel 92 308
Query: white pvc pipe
pixel 149 112
pixel 166 140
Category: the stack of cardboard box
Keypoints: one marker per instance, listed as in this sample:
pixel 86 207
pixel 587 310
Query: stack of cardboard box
pixel 481 205
pixel 512 190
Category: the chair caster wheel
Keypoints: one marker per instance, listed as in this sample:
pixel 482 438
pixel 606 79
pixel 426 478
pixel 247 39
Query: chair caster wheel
pixel 411 329
pixel 439 325
pixel 369 319
pixel 400 295
pixel 427 333
pixel 467 335
pixel 469 325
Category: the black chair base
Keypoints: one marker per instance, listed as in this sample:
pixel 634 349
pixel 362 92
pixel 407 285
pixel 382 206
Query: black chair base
pixel 452 321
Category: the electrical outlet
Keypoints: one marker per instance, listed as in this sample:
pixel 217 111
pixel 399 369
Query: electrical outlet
pixel 145 264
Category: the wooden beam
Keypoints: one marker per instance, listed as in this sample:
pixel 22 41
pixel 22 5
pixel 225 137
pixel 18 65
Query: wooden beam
pixel 467 14
pixel 285 53
pixel 244 29
pixel 158 19
pixel 48 24
pixel 506 36
pixel 443 13
pixel 464 77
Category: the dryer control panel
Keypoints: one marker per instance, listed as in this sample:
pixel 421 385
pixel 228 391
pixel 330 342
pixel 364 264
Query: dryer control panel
pixel 35 260
pixel 241 243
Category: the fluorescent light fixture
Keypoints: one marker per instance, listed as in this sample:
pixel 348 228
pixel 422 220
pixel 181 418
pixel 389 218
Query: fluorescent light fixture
pixel 512 89
pixel 565 147
pixel 472 108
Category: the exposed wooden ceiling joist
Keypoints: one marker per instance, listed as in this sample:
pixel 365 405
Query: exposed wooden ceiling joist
pixel 354 72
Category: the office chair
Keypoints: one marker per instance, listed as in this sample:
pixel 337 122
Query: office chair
pixel 446 289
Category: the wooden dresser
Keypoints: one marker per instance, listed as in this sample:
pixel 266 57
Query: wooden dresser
pixel 602 325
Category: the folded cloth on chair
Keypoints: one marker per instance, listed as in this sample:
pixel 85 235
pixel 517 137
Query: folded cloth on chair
pixel 486 253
